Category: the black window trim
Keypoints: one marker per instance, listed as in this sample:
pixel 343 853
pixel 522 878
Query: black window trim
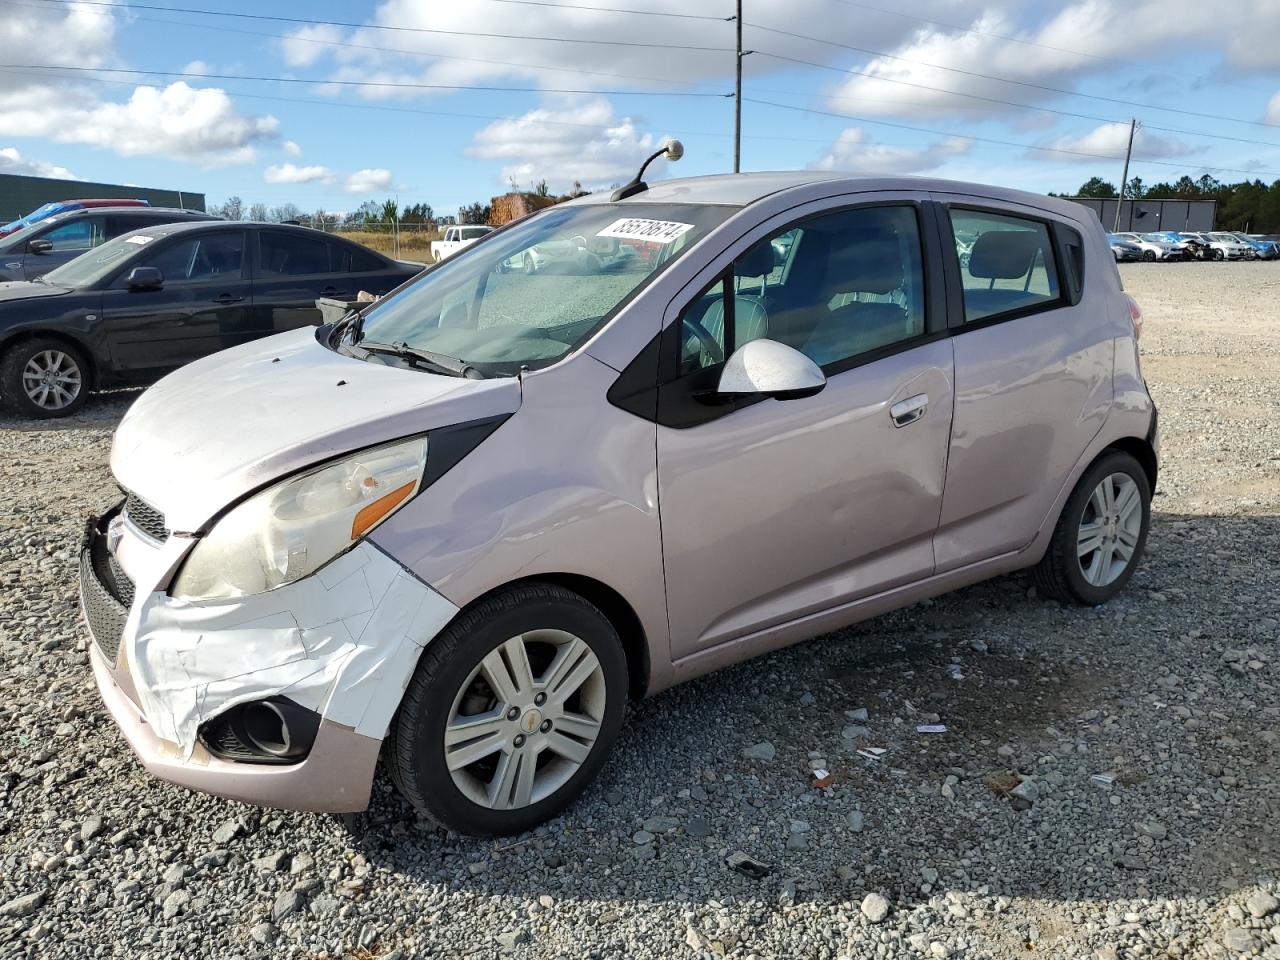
pixel 955 288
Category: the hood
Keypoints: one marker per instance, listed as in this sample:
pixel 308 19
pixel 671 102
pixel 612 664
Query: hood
pixel 11 290
pixel 221 427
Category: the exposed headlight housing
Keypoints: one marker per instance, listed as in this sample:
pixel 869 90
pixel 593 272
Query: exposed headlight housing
pixel 296 526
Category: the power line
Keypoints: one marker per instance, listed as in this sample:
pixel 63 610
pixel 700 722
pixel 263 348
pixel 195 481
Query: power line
pixel 380 84
pixel 639 13
pixel 43 7
pixel 302 21
pixel 972 73
pixel 1003 143
pixel 1021 106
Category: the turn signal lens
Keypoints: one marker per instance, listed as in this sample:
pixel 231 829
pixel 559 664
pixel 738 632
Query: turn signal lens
pixel 370 516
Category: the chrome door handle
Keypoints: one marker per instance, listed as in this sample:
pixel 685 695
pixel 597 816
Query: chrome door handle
pixel 909 410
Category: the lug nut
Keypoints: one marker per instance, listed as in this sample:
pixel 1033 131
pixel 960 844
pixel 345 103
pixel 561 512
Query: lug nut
pixel 540 699
pixel 546 725
pixel 519 740
pixel 513 713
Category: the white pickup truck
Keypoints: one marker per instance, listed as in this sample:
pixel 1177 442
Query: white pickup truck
pixel 455 238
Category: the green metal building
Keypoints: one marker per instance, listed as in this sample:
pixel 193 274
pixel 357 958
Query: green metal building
pixel 20 195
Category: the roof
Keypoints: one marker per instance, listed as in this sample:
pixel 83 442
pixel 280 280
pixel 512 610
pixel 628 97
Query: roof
pixel 741 189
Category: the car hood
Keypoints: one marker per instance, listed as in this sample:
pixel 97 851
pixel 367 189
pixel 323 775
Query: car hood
pixel 26 290
pixel 224 426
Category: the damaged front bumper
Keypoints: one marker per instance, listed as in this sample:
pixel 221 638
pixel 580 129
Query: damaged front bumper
pixel 339 645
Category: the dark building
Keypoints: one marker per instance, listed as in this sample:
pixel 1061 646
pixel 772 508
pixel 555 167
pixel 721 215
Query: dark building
pixel 1150 215
pixel 20 195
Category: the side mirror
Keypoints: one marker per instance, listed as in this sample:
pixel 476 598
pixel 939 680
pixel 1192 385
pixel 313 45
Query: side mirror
pixel 145 278
pixel 770 368
pixel 40 246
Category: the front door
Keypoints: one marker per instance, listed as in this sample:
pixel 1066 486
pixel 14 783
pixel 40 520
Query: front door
pixel 771 509
pixel 202 306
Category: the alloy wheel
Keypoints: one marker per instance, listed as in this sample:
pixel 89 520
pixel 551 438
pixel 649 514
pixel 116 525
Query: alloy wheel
pixel 1109 529
pixel 52 379
pixel 525 719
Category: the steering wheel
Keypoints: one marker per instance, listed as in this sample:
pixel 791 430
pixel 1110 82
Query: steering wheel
pixel 708 343
pixel 579 240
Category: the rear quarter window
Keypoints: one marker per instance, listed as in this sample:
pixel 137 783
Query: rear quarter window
pixel 1008 265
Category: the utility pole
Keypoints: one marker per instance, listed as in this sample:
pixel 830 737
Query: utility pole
pixel 737 95
pixel 1124 177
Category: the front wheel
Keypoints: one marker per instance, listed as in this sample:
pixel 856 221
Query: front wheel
pixel 1219 255
pixel 511 712
pixel 1149 256
pixel 44 378
pixel 1101 534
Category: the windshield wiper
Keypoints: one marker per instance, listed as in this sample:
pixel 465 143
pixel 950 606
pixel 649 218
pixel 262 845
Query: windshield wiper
pixel 438 362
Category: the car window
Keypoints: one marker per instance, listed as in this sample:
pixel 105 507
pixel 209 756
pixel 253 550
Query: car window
pixel 123 223
pixel 474 233
pixel 210 257
pixel 80 234
pixel 833 287
pixel 365 261
pixel 1009 266
pixel 293 254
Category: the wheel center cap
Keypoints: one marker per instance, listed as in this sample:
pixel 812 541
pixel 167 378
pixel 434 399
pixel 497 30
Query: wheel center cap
pixel 531 720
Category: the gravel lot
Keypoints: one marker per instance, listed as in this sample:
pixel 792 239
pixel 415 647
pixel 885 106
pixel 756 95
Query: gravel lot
pixel 1173 691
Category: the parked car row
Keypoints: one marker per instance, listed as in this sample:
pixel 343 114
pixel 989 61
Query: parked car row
pixel 1175 245
pixel 123 306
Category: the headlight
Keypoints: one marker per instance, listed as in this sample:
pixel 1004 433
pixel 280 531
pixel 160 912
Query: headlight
pixel 295 527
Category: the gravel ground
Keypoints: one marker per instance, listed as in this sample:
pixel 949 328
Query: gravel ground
pixel 992 839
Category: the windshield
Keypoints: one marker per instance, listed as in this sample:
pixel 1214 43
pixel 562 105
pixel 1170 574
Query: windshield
pixel 88 268
pixel 531 293
pixel 1224 237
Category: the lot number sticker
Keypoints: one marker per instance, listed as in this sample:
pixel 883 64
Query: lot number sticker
pixel 655 231
pixel 138 240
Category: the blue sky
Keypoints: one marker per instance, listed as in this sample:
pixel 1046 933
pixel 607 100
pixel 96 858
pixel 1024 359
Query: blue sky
pixel 910 86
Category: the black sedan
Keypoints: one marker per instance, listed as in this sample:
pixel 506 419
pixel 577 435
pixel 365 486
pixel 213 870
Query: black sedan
pixel 136 307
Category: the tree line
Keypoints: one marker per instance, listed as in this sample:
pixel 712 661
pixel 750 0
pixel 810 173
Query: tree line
pixel 374 214
pixel 1249 205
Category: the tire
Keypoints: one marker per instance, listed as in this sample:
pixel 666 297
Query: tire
pixel 452 683
pixel 1219 255
pixel 1062 573
pixel 1149 256
pixel 44 378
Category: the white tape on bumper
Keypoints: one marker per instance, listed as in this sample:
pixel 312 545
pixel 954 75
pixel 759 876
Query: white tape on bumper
pixel 343 642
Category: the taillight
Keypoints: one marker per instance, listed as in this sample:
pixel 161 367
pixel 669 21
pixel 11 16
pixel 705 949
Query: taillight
pixel 1135 316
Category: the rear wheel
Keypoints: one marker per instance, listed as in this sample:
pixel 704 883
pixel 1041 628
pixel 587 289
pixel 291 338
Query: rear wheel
pixel 511 712
pixel 1101 534
pixel 44 378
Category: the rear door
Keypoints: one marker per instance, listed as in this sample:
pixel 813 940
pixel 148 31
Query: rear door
pixel 202 307
pixel 293 269
pixel 1033 373
pixel 774 510
pixel 69 239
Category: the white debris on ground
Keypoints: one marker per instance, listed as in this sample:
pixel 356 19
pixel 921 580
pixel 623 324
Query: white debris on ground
pixel 1108 784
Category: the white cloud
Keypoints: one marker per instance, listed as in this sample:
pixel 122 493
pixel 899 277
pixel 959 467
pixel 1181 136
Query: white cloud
pixel 301 49
pixel 1111 140
pixel 197 67
pixel 198 125
pixel 291 148
pixel 853 151
pixel 1273 109
pixel 181 121
pixel 11 161
pixel 289 173
pixel 599 149
pixel 369 180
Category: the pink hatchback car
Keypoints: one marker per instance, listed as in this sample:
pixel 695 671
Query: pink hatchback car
pixel 463 526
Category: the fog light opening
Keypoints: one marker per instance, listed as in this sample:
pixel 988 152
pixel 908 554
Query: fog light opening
pixel 266 728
